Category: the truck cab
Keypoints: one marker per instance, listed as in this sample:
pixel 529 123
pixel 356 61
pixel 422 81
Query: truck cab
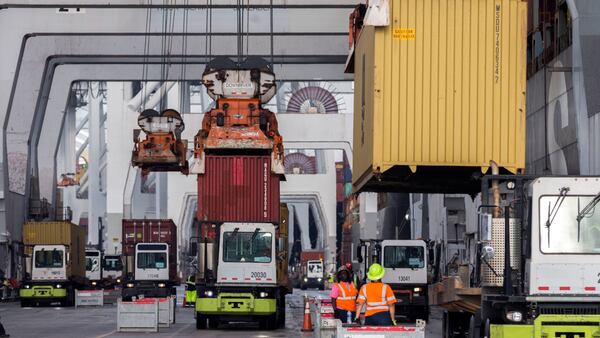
pixel 558 257
pixel 112 268
pixel 313 274
pixel 405 263
pixel 93 267
pixel 49 263
pixel 246 284
pixel 49 280
pixel 150 272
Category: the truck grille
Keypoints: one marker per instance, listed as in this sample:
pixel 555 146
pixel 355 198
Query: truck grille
pixel 574 309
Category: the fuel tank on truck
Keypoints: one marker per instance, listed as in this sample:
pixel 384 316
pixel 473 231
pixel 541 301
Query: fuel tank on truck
pixel 238 188
pixel 439 93
pixel 149 231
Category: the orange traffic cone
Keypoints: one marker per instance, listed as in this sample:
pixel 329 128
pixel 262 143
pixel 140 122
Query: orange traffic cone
pixel 307 325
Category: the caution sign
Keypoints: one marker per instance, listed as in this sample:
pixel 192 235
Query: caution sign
pixel 405 33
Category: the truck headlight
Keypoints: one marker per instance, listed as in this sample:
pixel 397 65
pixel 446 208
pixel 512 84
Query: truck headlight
pixel 161 285
pixel 514 316
pixel 118 280
pixel 58 286
pixel 208 293
pixel 263 294
pixel 94 283
pixel 417 289
pixel 129 285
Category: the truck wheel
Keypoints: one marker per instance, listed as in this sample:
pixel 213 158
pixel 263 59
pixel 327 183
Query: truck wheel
pixel 25 303
pixel 200 322
pixel 268 322
pixel 213 323
pixel 281 317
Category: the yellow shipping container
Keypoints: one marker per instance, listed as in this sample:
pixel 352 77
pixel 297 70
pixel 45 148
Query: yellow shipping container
pixel 58 233
pixel 439 93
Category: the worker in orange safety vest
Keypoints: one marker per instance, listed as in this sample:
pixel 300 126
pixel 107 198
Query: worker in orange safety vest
pixel 343 296
pixel 378 298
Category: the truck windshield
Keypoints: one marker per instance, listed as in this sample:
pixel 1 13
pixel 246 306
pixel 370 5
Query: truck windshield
pixel 315 267
pixel 113 264
pixel 566 235
pixel 247 247
pixel 404 257
pixel 49 259
pixel 92 264
pixel 152 260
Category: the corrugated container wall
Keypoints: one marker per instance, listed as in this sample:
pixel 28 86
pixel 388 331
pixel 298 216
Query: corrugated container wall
pixel 58 233
pixel 306 256
pixel 150 231
pixel 238 189
pixel 439 93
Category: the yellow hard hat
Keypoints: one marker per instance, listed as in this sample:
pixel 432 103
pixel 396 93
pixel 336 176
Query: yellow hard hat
pixel 376 272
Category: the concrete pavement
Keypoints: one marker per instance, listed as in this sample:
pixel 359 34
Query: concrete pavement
pixel 96 322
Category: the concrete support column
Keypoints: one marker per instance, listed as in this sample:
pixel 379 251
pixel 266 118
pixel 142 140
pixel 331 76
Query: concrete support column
pixel 96 197
pixel 301 212
pixel 120 124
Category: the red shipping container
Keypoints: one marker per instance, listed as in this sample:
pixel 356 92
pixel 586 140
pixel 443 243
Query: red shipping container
pixel 238 189
pixel 151 231
pixel 306 256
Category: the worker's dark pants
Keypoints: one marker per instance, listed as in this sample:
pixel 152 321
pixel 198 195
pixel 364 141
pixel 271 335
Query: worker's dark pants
pixel 379 319
pixel 343 315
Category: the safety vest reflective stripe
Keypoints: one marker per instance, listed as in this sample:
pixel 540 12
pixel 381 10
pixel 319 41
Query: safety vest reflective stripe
pixel 343 292
pixel 347 300
pixel 379 305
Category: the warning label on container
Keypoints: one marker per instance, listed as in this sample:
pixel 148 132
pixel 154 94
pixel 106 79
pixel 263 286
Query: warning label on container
pixel 405 33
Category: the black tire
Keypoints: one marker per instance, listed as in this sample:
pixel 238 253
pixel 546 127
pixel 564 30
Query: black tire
pixel 25 303
pixel 268 322
pixel 213 323
pixel 445 325
pixel 200 322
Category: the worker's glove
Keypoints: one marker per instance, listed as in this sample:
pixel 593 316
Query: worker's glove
pixel 357 320
pixel 394 323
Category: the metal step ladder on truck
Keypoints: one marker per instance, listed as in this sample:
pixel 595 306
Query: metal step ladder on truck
pixel 405 263
pixel 150 256
pixel 54 261
pixel 242 239
pixel 542 281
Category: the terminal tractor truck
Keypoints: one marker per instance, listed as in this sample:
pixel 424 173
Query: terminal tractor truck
pixel 537 269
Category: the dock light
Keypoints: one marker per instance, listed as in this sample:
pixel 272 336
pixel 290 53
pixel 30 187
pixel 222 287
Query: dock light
pixel 264 294
pixel 208 293
pixel 319 279
pixel 27 286
pixel 94 283
pixel 417 289
pixel 118 280
pixel 129 285
pixel 58 286
pixel 161 285
pixel 305 279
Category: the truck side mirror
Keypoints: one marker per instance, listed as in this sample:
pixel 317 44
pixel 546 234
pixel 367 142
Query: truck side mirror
pixel 359 256
pixel 193 249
